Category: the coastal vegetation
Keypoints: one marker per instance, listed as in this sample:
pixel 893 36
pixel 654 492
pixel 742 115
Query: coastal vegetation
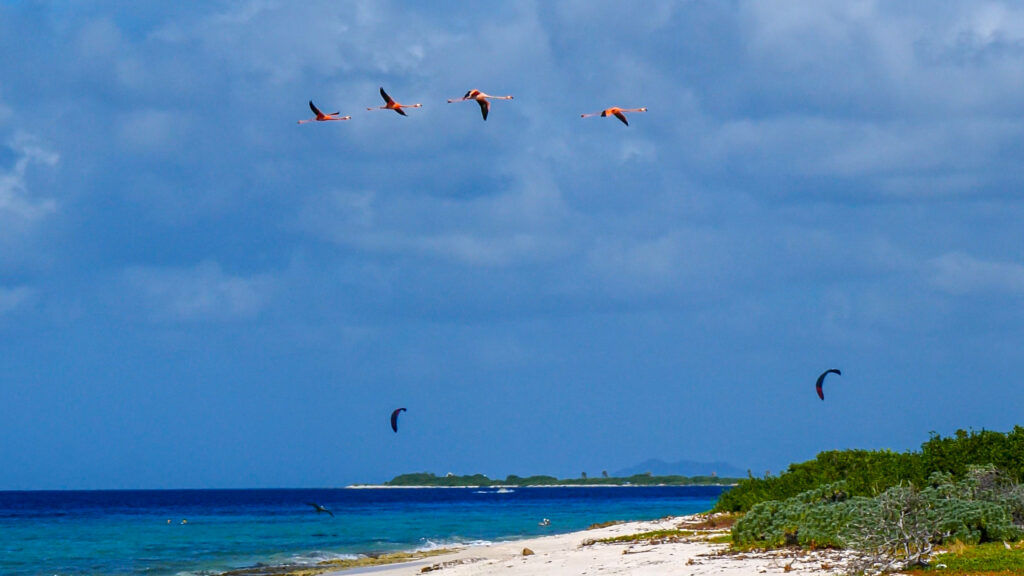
pixel 891 510
pixel 872 472
pixel 656 536
pixel 706 527
pixel 992 559
pixel 480 480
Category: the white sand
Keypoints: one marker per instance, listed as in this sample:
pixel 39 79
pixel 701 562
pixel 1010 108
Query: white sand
pixel 565 554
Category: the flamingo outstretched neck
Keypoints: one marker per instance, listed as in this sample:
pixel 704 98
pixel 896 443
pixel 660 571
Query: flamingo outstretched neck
pixel 615 111
pixel 481 99
pixel 390 104
pixel 321 117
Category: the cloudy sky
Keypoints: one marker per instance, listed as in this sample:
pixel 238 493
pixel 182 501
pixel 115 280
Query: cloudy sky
pixel 195 291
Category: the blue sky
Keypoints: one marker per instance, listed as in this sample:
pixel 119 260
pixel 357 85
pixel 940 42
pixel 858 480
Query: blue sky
pixel 195 291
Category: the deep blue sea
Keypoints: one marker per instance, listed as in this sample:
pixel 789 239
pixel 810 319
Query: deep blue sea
pixel 206 532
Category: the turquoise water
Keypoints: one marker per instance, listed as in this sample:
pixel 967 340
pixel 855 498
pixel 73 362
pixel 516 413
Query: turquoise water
pixel 205 532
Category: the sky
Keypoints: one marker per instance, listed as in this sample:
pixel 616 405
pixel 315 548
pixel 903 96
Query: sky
pixel 196 291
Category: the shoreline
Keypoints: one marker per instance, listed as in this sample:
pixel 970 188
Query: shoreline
pixel 514 486
pixel 690 545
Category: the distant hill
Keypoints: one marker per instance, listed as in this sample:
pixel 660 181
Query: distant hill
pixel 478 480
pixel 683 468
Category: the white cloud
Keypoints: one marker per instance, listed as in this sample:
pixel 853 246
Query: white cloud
pixel 475 249
pixel 151 130
pixel 200 293
pixel 643 266
pixel 920 159
pixel 283 41
pixel 638 150
pixel 521 224
pixel 803 35
pixel 651 14
pixel 19 207
pixel 990 23
pixel 14 298
pixel 98 39
pixel 959 273
pixel 679 261
pixel 949 58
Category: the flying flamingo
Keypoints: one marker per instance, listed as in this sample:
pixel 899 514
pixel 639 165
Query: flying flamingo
pixel 481 99
pixel 617 112
pixel 390 104
pixel 321 117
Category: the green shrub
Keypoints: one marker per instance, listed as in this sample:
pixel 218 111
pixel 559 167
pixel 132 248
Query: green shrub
pixel 902 522
pixel 979 508
pixel 816 518
pixel 869 473
pixel 864 473
pixel 890 509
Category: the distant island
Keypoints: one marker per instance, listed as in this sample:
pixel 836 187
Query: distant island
pixel 474 480
pixel 660 467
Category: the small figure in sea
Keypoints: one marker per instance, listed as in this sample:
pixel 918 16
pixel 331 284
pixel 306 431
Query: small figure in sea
pixel 184 521
pixel 320 508
pixel 390 104
pixel 544 522
pixel 821 380
pixel 394 418
pixel 481 99
pixel 321 117
pixel 614 111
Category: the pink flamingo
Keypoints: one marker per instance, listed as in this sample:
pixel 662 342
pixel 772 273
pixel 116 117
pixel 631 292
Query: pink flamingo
pixel 617 112
pixel 321 117
pixel 481 99
pixel 390 104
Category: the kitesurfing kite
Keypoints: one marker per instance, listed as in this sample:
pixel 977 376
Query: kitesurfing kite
pixel 321 117
pixel 481 99
pixel 617 112
pixel 390 104
pixel 821 380
pixel 394 419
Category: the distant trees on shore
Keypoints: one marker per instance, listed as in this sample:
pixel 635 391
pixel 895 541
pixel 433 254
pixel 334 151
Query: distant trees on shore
pixel 450 480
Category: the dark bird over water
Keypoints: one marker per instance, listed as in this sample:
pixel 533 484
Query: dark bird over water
pixel 394 419
pixel 821 380
pixel 320 508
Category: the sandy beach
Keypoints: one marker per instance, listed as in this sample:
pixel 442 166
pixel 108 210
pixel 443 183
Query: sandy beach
pixel 690 553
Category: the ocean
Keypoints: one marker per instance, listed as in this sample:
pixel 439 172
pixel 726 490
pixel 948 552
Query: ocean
pixel 207 532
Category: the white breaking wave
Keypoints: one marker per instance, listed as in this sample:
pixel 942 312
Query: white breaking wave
pixel 311 558
pixel 429 545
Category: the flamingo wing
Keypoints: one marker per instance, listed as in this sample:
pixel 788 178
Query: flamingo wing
pixel 315 110
pixel 485 107
pixel 400 111
pixel 622 117
pixel 385 96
